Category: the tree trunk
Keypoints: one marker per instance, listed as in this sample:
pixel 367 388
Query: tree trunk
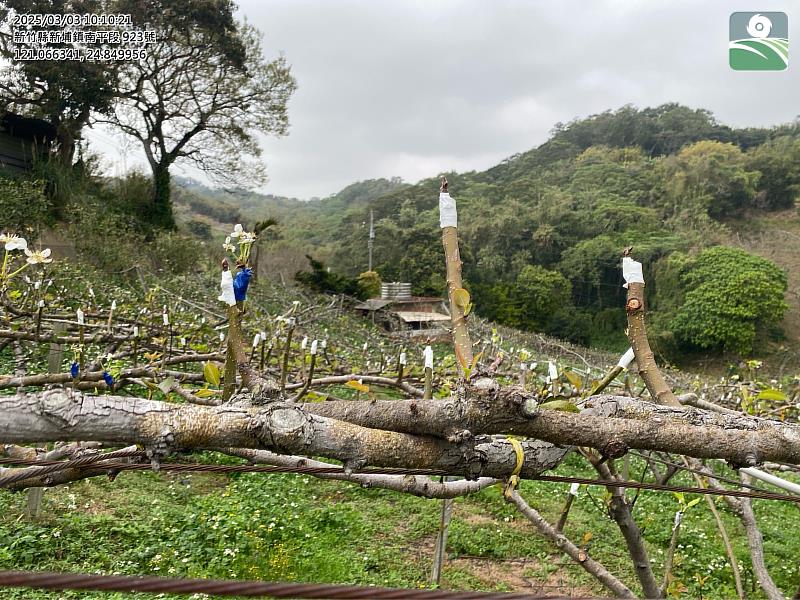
pixel 160 213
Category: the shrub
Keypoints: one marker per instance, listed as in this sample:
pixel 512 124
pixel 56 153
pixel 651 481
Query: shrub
pixel 730 294
pixel 23 205
pixel 175 253
pixel 321 279
pixel 369 283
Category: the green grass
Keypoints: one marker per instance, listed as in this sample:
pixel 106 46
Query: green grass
pixel 296 528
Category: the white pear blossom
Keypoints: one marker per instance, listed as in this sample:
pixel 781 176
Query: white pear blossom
pixel 227 246
pixel 13 242
pixel 37 256
pixel 237 231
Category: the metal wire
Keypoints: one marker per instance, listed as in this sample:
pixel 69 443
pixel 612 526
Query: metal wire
pixel 60 465
pixel 204 468
pixel 128 583
pixel 53 466
pixel 699 472
pixel 669 488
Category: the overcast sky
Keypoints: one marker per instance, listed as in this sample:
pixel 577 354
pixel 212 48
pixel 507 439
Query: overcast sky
pixel 412 88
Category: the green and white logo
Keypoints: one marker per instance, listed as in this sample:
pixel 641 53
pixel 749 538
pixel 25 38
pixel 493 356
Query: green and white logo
pixel 759 41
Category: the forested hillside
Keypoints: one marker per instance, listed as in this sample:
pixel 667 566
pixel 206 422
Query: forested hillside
pixel 541 232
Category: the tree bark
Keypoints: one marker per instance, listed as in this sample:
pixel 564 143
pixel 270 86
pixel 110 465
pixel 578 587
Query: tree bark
pixel 161 207
pixel 57 415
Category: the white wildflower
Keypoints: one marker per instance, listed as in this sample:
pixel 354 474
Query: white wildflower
pixel 237 231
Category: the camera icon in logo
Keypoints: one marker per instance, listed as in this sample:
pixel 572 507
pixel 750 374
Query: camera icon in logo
pixel 759 41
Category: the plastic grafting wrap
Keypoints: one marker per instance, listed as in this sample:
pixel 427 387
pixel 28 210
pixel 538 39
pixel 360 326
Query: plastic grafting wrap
pixel 240 283
pixel 626 359
pixel 552 370
pixel 226 286
pixel 402 358
pixel 631 271
pixel 447 211
pixel 428 355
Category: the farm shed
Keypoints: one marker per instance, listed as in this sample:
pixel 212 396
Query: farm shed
pixel 405 315
pixel 21 139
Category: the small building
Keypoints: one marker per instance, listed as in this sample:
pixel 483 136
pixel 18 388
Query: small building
pixel 21 140
pixel 417 317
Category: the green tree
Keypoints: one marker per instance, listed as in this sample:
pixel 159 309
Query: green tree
pixel 540 294
pixel 709 176
pixel 778 161
pixel 369 283
pixel 65 93
pixel 729 295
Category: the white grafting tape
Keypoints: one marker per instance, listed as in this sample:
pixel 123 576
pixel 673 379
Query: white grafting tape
pixel 79 314
pixel 678 519
pixel 314 347
pixel 552 370
pixel 304 343
pixel 448 216
pixel 166 318
pixel 626 359
pixel 135 331
pixel 41 303
pixel 573 489
pixel 428 355
pixel 226 287
pixel 256 339
pixel 113 305
pixel 631 271
pixel 402 358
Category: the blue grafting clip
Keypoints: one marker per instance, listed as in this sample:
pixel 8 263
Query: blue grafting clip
pixel 240 283
pixel 73 369
pixel 108 378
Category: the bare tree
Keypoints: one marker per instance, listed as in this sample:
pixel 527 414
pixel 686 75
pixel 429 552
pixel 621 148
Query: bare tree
pixel 201 95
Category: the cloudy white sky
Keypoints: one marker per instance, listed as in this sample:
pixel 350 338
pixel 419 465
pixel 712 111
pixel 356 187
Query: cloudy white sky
pixel 412 88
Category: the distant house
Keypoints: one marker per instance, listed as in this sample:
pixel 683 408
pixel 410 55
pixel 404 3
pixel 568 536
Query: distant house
pixel 418 317
pixel 21 140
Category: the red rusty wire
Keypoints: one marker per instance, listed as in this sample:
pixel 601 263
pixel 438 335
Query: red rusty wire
pixel 173 585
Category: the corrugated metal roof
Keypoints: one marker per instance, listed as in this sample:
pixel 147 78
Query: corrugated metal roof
pixel 373 304
pixel 421 317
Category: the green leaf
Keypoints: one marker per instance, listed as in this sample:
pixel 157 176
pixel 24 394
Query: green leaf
pixel 204 393
pixel 166 385
pixel 772 394
pixel 574 379
pixel 562 405
pixel 461 298
pixel 357 386
pixel 693 502
pixel 211 373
